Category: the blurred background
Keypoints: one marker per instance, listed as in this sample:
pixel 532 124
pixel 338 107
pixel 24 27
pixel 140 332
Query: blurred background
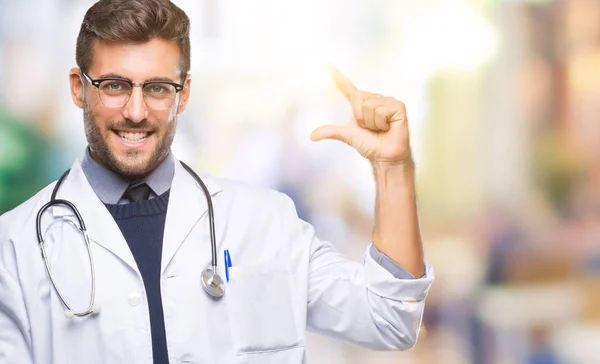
pixel 503 98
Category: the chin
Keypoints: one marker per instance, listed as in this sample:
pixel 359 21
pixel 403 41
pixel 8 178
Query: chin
pixel 135 171
pixel 132 168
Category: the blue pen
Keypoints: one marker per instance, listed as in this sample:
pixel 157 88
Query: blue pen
pixel 227 259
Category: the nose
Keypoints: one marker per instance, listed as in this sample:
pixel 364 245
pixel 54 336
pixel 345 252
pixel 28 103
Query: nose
pixel 135 109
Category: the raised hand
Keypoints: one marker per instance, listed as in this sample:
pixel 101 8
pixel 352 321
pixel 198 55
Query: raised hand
pixel 378 129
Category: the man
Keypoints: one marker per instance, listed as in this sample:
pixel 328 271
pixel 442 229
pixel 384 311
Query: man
pixel 150 237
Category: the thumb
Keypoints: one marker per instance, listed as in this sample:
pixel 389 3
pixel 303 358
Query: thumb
pixel 337 132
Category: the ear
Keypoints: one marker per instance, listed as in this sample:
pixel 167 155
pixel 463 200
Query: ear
pixel 184 95
pixel 77 87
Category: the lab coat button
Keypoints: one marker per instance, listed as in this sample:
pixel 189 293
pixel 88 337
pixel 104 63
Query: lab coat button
pixel 187 359
pixel 134 299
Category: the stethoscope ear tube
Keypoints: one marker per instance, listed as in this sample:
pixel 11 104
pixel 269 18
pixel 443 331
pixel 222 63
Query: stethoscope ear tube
pixel 52 202
pixel 211 214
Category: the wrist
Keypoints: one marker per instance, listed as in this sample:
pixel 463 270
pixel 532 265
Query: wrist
pixel 407 162
pixel 400 171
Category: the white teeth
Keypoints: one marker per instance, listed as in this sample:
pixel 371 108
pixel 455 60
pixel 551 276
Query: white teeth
pixel 133 137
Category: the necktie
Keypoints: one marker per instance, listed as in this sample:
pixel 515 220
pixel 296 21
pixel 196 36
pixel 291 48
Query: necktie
pixel 137 193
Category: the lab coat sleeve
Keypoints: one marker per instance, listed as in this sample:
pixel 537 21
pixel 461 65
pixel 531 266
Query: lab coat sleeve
pixel 363 304
pixel 14 324
pixel 383 260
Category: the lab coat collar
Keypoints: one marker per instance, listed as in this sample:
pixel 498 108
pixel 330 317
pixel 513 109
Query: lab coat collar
pixel 187 204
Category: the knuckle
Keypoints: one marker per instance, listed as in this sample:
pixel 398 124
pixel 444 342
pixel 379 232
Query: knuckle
pixel 356 97
pixel 370 104
pixel 371 95
pixel 380 112
pixel 401 106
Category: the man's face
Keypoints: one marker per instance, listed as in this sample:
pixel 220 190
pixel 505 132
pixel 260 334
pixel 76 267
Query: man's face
pixel 133 139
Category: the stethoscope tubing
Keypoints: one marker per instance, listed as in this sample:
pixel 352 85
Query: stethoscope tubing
pixel 210 279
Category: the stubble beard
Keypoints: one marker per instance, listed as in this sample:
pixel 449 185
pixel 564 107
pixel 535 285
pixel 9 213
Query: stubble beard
pixel 102 153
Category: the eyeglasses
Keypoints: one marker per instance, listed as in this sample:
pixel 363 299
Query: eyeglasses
pixel 115 92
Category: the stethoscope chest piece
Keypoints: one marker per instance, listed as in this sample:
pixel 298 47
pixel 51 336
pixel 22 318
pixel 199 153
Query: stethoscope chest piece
pixel 212 283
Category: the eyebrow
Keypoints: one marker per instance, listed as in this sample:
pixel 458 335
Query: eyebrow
pixel 153 79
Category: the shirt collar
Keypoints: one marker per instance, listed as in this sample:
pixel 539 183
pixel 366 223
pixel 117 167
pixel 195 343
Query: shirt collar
pixel 110 186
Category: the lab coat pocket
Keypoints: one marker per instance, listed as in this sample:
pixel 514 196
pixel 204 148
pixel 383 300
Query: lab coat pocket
pixel 261 309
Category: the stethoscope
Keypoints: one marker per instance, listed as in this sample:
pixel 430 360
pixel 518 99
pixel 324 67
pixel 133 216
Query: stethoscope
pixel 211 280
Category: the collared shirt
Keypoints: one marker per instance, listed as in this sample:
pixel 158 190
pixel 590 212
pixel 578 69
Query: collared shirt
pixel 110 186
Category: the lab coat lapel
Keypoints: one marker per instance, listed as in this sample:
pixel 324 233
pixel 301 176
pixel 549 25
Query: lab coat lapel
pixel 187 205
pixel 101 227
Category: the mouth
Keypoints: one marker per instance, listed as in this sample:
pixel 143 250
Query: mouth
pixel 134 137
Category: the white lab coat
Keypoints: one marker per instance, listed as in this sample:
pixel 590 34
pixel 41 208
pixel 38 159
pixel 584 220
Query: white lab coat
pixel 283 282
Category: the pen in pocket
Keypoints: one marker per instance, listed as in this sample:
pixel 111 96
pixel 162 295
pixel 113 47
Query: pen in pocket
pixel 227 259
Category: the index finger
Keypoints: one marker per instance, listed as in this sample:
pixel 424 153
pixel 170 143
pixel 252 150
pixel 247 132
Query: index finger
pixel 342 82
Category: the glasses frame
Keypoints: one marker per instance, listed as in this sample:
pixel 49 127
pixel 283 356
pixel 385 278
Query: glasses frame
pixel 96 83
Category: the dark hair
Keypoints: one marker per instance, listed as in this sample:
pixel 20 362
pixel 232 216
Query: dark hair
pixel 136 21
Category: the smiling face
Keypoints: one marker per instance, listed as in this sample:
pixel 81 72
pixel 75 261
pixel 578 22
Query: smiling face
pixel 132 139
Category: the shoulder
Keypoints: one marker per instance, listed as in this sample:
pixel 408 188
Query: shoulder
pixel 23 216
pixel 256 198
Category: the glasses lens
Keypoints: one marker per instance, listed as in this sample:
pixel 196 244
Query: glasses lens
pixel 159 96
pixel 114 93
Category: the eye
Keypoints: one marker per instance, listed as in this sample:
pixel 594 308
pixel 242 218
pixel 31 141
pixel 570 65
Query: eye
pixel 114 87
pixel 156 88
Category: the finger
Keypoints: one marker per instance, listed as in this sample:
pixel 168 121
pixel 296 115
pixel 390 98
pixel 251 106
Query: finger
pixel 342 83
pixel 368 110
pixel 356 100
pixel 370 95
pixel 383 115
pixel 337 132
pixel 397 112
